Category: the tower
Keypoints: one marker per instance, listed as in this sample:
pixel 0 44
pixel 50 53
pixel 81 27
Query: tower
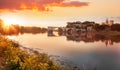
pixel 107 21
pixel 111 22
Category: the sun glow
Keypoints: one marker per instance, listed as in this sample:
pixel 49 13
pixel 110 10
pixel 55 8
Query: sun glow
pixel 8 20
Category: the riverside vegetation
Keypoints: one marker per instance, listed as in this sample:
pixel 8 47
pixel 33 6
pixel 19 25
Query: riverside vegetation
pixel 14 57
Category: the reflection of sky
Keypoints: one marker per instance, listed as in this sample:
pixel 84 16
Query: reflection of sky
pixel 79 53
pixel 105 60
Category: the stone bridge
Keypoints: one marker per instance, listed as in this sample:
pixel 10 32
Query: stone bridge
pixel 51 29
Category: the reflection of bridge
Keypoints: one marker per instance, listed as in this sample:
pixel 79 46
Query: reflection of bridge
pixel 50 28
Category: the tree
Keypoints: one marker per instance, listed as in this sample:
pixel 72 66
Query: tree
pixel 115 27
pixel 1 25
pixel 1 22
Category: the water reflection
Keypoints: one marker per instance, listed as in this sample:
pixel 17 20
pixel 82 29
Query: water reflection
pixel 87 37
pixel 74 36
pixel 23 30
pixel 84 51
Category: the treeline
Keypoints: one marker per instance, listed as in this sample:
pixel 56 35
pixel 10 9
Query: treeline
pixel 33 30
pixel 16 29
pixel 115 27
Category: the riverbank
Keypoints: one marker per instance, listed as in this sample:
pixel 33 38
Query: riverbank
pixel 14 57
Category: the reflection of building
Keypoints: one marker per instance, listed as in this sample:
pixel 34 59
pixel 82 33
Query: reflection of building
pixel 86 37
pixel 108 42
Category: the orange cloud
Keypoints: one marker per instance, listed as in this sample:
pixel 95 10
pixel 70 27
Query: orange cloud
pixel 23 6
pixel 38 5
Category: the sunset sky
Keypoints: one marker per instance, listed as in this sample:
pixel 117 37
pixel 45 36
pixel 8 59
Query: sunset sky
pixel 57 12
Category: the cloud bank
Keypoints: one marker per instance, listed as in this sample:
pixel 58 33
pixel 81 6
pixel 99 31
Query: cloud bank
pixel 39 5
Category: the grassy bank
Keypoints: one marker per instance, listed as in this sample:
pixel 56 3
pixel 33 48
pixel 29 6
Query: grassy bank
pixel 13 57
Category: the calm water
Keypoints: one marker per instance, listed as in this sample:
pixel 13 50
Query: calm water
pixel 82 51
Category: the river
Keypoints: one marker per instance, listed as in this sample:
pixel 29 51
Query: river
pixel 88 52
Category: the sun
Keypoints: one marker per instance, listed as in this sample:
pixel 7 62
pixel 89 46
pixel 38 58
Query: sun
pixel 8 20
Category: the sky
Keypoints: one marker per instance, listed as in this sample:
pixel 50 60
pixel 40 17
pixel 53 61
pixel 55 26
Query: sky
pixel 57 12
